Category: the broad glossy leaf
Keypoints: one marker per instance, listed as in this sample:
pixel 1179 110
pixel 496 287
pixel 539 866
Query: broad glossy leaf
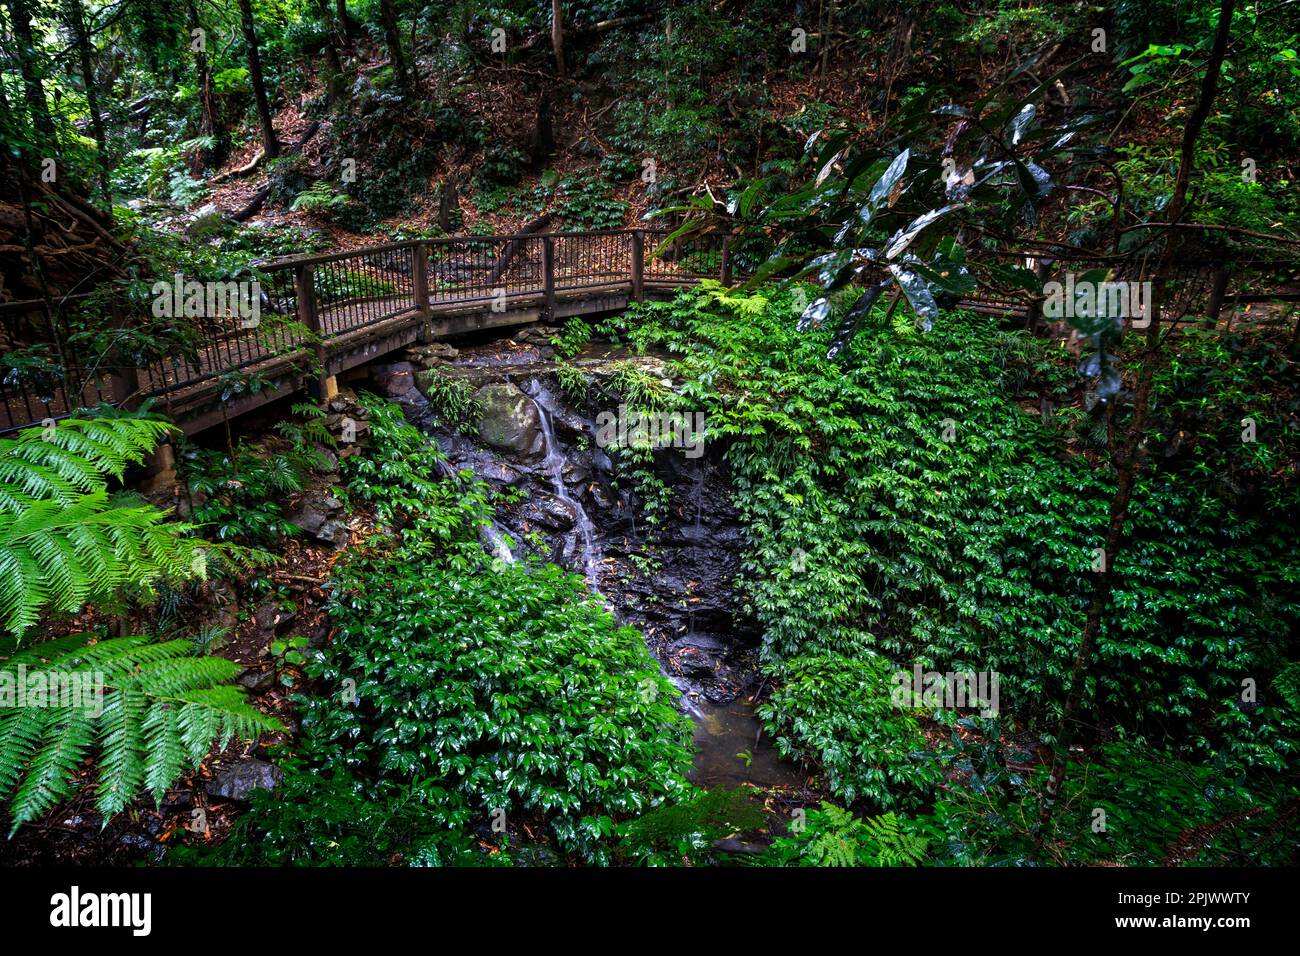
pixel 815 314
pixel 885 185
pixel 919 294
pixel 852 320
pixel 903 238
pixel 1020 123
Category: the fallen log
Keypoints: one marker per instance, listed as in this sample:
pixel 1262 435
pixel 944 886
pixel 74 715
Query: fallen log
pixel 514 245
pixel 260 197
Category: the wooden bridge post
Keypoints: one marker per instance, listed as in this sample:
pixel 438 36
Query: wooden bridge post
pixel 726 261
pixel 548 275
pixel 420 287
pixel 638 265
pixel 123 380
pixel 304 288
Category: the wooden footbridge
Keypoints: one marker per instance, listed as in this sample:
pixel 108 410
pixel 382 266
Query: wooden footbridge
pixel 323 315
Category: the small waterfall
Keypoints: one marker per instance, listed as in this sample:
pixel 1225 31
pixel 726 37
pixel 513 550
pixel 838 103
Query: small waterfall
pixel 582 536
pixel 490 534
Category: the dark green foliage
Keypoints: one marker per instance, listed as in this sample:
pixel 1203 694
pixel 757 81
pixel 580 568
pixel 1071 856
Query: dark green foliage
pixel 507 689
pixel 241 496
pixel 1129 803
pixel 570 341
pixel 837 711
pixel 334 819
pixel 868 528
pixel 452 400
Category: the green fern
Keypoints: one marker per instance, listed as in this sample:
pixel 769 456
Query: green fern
pixel 64 541
pixel 894 845
pixel 159 711
pixel 832 836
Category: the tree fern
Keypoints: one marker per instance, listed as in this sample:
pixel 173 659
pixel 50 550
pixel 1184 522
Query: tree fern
pixel 64 541
pixel 159 711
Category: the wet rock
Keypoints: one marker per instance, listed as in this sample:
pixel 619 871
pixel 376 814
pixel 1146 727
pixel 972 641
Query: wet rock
pixel 736 845
pixel 509 419
pixel 207 221
pixel 257 682
pixel 332 532
pixel 697 655
pixel 316 515
pixel 537 334
pixel 576 472
pixel 270 619
pixel 549 512
pixel 435 353
pixel 239 780
pixel 138 841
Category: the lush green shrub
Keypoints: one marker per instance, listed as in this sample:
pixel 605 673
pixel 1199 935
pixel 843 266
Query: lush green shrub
pixel 904 499
pixel 837 711
pixel 508 690
pixel 468 689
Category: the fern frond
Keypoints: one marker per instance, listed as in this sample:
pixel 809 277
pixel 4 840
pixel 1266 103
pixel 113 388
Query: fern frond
pixel 162 708
pixel 52 768
pixel 67 554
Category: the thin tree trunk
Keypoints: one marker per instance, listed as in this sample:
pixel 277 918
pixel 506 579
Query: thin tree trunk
pixel 77 24
pixel 269 143
pixel 557 35
pixel 331 49
pixel 346 25
pixel 393 39
pixel 20 16
pixel 1131 455
pixel 205 158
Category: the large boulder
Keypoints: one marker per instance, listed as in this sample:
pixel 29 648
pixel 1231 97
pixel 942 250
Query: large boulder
pixel 509 420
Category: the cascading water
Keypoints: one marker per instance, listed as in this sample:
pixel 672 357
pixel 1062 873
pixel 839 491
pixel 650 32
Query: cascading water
pixel 582 537
pixel 489 533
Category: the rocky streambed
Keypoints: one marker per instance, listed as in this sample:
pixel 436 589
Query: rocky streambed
pixel 570 497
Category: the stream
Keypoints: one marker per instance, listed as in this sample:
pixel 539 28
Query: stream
pixel 673 581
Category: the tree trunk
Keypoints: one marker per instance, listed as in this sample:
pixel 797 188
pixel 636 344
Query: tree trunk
pixel 541 144
pixel 20 16
pixel 393 39
pixel 557 35
pixel 77 25
pixel 447 204
pixel 347 26
pixel 331 48
pixel 1130 458
pixel 269 143
pixel 204 158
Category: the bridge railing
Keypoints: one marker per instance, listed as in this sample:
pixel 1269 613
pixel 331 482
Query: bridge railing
pixel 305 302
pixel 308 300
